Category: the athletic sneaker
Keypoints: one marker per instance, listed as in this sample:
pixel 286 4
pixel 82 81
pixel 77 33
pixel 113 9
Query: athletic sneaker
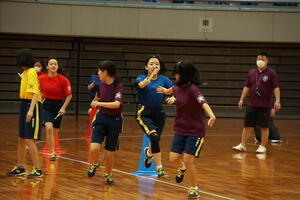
pixel 92 170
pixel 193 193
pixel 53 157
pixel 240 147
pixel 261 149
pixel 16 171
pixel 35 173
pixel 161 172
pixel 275 141
pixel 109 179
pixel 180 175
pixel 148 159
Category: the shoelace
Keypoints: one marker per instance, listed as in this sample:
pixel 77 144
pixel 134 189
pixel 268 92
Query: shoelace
pixel 193 191
pixel 180 172
pixel 35 171
pixel 15 168
pixel 161 170
pixel 109 177
pixel 93 168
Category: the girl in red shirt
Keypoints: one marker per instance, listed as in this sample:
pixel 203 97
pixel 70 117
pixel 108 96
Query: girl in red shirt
pixel 57 93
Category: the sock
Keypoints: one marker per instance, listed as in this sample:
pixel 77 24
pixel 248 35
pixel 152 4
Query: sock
pixel 148 155
pixel 194 187
pixel 158 167
pixel 182 169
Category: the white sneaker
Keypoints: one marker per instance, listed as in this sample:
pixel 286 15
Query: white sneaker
pixel 261 149
pixel 239 147
pixel 275 141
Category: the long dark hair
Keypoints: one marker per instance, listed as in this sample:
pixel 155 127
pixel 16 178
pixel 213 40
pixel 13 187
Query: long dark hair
pixel 161 63
pixel 188 74
pixel 110 67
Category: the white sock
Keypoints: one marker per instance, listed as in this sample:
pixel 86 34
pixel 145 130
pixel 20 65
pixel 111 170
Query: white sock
pixel 194 187
pixel 148 154
pixel 158 167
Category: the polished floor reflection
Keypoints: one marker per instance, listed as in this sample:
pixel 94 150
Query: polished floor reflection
pixel 222 173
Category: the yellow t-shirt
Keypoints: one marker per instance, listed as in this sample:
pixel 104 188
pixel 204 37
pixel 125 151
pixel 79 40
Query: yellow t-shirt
pixel 30 85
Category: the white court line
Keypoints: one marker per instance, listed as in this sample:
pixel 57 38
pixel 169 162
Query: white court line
pixel 145 177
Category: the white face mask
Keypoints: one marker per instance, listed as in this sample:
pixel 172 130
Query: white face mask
pixel 37 69
pixel 260 63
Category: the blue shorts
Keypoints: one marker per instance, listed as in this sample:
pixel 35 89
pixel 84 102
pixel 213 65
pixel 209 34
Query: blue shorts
pixel 151 119
pixel 50 110
pixel 187 144
pixel 32 129
pixel 109 126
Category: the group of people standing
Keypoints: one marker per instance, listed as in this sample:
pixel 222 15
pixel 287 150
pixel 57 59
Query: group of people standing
pixel 152 89
pixel 44 99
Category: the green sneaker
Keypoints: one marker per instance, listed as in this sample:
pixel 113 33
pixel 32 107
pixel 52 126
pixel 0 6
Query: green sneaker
pixel 109 179
pixel 180 175
pixel 193 193
pixel 53 157
pixel 148 159
pixel 161 172
pixel 35 173
pixel 92 170
pixel 16 171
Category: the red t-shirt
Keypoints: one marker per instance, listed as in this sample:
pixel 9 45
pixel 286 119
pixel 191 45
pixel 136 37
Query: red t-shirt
pixel 40 73
pixel 56 88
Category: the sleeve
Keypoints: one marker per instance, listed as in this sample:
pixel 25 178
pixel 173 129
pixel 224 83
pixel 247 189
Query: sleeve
pixel 247 82
pixel 91 80
pixel 67 87
pixel 33 85
pixel 119 93
pixel 175 87
pixel 40 78
pixel 168 83
pixel 138 79
pixel 275 80
pixel 198 95
pixel 98 91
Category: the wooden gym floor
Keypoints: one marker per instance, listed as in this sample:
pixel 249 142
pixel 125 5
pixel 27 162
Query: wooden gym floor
pixel 222 173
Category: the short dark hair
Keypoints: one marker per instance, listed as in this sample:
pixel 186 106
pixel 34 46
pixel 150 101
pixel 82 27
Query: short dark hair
pixel 161 63
pixel 110 67
pixel 25 58
pixel 262 54
pixel 188 73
